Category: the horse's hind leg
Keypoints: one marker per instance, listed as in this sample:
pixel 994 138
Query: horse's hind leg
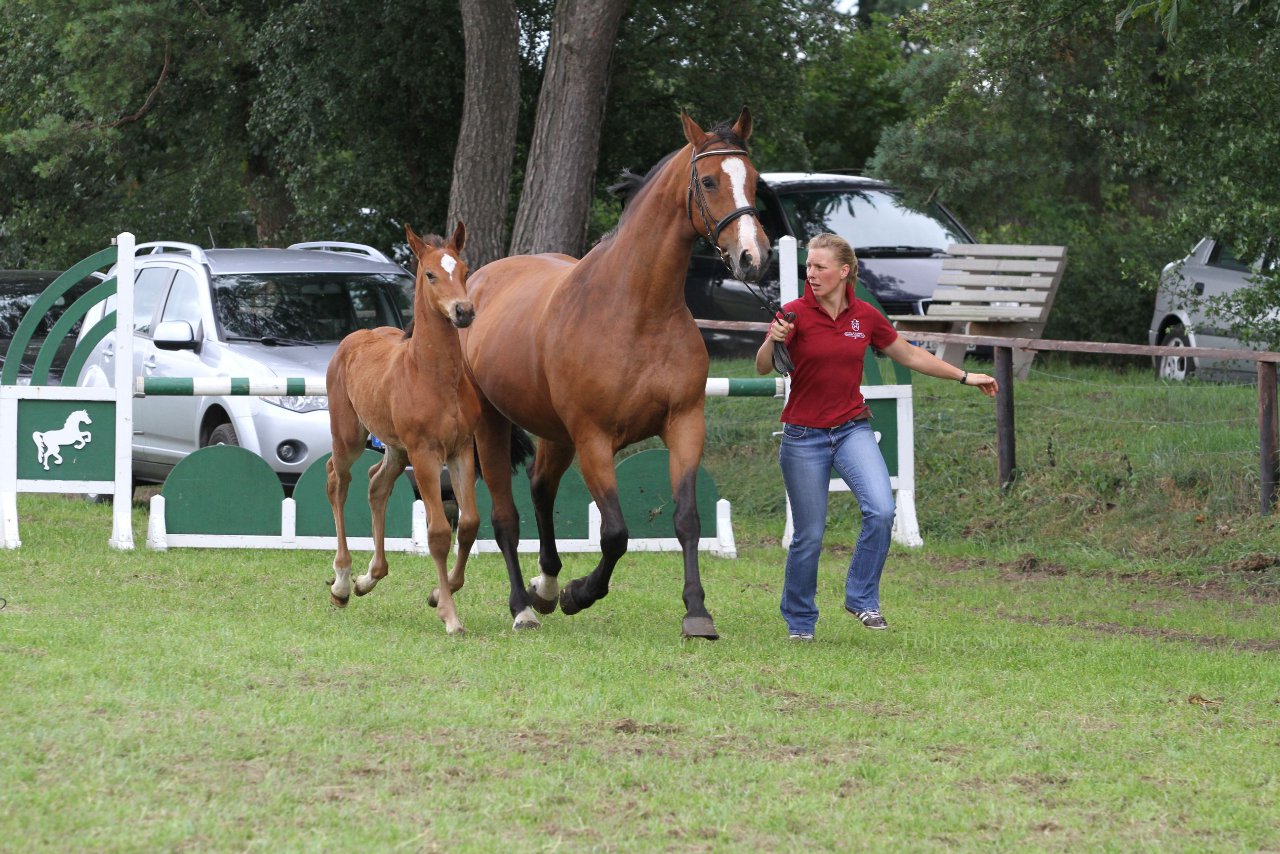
pixel 596 459
pixel 382 479
pixel 549 466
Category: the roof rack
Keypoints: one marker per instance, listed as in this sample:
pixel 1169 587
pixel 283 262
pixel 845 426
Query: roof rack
pixel 346 248
pixel 161 246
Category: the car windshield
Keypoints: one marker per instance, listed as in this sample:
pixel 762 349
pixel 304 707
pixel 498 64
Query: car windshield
pixel 311 308
pixel 869 219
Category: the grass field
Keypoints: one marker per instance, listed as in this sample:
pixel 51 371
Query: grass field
pixel 1088 659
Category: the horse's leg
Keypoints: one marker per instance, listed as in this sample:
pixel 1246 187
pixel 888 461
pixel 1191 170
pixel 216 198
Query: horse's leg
pixel 549 466
pixel 493 440
pixel 684 437
pixel 382 479
pixel 426 459
pixel 596 458
pixel 337 482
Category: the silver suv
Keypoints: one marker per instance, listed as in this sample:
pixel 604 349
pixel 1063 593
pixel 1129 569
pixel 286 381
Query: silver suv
pixel 256 313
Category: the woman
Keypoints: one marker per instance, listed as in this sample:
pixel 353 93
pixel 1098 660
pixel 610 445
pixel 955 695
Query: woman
pixel 826 425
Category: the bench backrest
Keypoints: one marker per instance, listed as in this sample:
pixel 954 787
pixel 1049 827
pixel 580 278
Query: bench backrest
pixel 999 282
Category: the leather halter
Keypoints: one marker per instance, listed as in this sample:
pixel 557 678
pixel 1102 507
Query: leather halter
pixel 712 233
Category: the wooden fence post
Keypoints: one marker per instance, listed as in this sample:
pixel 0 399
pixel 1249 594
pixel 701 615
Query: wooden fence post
pixel 1005 450
pixel 1269 454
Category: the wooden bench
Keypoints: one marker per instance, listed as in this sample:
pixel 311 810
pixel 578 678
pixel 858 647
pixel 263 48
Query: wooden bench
pixel 991 289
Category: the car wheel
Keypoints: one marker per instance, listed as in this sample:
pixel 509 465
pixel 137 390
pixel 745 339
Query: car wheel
pixel 1175 367
pixel 223 434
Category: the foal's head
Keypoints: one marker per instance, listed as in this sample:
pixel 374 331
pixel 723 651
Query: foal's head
pixel 441 281
pixel 721 196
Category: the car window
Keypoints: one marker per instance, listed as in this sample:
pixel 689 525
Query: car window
pixel 184 300
pixel 148 288
pixel 1223 256
pixel 868 218
pixel 307 307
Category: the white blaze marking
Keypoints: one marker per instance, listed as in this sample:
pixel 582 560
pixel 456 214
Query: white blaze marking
pixel 448 262
pixel 748 233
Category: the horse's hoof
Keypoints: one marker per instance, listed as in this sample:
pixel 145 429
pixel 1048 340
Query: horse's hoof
pixel 699 627
pixel 541 605
pixel 567 603
pixel 455 631
pixel 434 599
pixel 338 602
pixel 526 620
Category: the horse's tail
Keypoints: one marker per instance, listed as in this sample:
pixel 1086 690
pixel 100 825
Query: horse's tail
pixel 521 446
pixel 522 449
pixel 42 448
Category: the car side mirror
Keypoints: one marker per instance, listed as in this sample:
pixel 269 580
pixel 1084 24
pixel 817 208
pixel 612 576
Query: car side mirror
pixel 174 335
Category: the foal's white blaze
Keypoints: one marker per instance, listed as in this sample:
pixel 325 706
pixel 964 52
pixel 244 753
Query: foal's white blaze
pixel 449 263
pixel 748 232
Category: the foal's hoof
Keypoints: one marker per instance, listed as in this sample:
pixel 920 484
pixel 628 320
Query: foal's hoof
pixel 338 602
pixel 434 599
pixel 699 627
pixel 541 605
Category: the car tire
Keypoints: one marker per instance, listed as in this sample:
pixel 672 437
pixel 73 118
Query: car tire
pixel 223 434
pixel 1175 367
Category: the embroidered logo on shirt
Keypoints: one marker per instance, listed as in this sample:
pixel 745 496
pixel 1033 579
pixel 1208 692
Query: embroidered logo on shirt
pixel 856 332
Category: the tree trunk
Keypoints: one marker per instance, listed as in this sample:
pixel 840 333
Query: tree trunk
pixel 555 203
pixel 487 139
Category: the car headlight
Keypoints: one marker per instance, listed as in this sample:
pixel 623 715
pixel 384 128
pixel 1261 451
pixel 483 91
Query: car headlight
pixel 300 402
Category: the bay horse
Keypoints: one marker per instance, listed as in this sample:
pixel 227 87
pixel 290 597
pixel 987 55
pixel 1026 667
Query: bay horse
pixel 411 391
pixel 595 354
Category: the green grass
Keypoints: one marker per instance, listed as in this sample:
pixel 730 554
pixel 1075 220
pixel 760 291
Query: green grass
pixel 1048 682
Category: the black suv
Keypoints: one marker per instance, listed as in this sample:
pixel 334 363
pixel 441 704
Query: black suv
pixel 900 249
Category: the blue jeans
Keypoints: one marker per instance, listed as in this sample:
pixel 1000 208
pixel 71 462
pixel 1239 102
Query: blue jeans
pixel 807 456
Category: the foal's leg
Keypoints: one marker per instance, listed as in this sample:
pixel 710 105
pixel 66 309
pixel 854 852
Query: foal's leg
pixel 382 479
pixel 426 459
pixel 493 439
pixel 549 466
pixel 337 483
pixel 684 438
pixel 596 459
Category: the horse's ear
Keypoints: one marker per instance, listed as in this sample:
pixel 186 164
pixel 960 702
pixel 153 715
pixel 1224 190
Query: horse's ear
pixel 692 132
pixel 742 127
pixel 415 242
pixel 459 237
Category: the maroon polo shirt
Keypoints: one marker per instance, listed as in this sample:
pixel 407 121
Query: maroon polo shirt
pixel 826 386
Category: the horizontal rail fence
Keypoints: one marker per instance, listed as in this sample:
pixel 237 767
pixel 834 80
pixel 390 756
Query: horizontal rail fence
pixel 1003 350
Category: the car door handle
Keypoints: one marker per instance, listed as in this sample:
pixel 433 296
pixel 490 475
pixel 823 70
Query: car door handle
pixel 108 352
pixel 149 363
pixel 1198 288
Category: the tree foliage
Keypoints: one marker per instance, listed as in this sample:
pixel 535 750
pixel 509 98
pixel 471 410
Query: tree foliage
pixel 1047 122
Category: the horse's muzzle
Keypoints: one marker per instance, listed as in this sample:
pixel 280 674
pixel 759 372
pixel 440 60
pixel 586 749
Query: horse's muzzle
pixel 749 268
pixel 461 314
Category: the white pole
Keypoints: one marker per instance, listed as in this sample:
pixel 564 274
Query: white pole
pixel 122 513
pixel 788 277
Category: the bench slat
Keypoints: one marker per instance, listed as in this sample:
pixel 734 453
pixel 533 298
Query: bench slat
pixel 1002 265
pixel 991 312
pixel 1011 250
pixel 984 296
pixel 969 280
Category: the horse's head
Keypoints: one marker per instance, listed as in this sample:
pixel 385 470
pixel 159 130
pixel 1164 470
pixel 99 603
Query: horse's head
pixel 721 199
pixel 441 281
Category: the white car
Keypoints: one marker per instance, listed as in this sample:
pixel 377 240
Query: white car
pixel 1180 320
pixel 256 313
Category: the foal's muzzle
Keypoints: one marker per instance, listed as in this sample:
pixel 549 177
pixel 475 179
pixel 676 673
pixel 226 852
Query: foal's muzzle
pixel 461 314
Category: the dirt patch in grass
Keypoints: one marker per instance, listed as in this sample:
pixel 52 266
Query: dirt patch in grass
pixel 1209 641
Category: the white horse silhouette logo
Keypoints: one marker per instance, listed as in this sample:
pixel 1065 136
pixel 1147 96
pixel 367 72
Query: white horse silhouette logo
pixel 50 443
